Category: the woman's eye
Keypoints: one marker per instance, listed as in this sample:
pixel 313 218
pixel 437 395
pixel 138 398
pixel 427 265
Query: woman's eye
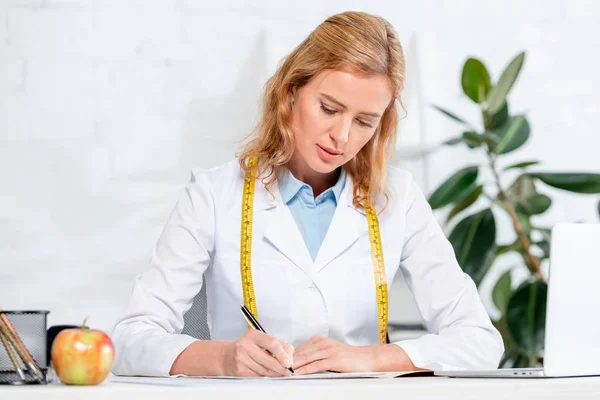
pixel 327 110
pixel 365 124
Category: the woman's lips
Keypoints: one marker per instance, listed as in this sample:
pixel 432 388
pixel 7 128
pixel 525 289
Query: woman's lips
pixel 328 154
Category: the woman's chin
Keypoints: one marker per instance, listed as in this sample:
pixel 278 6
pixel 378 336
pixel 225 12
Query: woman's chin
pixel 323 167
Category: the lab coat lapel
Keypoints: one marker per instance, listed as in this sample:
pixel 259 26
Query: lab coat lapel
pixel 345 228
pixel 280 228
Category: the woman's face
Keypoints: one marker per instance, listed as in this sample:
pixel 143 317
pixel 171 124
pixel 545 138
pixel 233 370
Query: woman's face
pixel 334 116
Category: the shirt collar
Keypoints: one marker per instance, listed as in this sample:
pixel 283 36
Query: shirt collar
pixel 289 186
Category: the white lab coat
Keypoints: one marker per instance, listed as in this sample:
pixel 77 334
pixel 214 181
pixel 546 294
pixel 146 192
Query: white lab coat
pixel 334 296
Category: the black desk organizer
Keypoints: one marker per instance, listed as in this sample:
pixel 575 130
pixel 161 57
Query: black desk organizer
pixel 31 326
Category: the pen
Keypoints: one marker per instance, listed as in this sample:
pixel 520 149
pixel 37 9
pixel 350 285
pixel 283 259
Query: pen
pixel 255 324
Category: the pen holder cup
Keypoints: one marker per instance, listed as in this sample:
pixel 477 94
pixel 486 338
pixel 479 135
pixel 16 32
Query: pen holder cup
pixel 31 327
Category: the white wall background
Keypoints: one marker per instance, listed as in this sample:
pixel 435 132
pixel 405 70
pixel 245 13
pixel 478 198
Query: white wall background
pixel 105 106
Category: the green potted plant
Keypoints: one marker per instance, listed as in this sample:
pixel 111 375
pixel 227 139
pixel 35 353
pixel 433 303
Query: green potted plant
pixel 522 307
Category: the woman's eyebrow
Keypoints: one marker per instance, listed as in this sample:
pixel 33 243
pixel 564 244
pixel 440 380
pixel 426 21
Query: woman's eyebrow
pixel 370 114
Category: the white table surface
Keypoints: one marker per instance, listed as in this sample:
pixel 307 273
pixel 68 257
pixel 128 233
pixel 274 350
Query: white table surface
pixel 116 388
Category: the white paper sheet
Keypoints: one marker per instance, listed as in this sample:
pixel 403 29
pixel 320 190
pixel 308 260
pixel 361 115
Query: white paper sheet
pixel 324 375
pixel 192 381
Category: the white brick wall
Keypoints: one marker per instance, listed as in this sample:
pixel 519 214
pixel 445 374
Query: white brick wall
pixel 105 105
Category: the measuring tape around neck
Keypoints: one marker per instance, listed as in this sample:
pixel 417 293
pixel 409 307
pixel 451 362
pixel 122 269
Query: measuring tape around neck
pixel 246 254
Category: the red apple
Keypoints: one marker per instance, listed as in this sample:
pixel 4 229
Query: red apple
pixel 82 356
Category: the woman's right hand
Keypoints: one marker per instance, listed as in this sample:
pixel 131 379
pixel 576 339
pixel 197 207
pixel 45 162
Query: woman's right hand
pixel 257 354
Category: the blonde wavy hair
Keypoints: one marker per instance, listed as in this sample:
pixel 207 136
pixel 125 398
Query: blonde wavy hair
pixel 358 41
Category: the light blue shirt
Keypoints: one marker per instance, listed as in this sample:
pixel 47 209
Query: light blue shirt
pixel 312 215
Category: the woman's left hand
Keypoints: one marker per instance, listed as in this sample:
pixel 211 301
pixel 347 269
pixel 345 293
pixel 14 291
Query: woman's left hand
pixel 321 354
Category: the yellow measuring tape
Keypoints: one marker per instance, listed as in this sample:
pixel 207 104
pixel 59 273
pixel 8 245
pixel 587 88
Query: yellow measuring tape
pixel 246 254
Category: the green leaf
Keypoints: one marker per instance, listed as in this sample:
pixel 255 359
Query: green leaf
pixel 546 233
pixel 521 165
pixel 498 93
pixel 502 291
pixel 473 240
pixel 503 249
pixel 544 242
pixel 496 120
pixel 455 188
pixel 513 134
pixel 465 203
pixel 544 245
pixel 473 139
pixel 526 316
pixel 525 222
pixel 450 114
pixel 453 141
pixel 509 342
pixel 509 357
pixel 488 261
pixel 522 187
pixel 492 138
pixel 534 204
pixel 476 81
pixel 522 361
pixel 583 182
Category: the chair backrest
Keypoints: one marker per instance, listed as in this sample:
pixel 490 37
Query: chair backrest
pixel 195 321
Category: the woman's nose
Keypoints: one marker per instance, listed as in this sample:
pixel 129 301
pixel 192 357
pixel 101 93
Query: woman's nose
pixel 341 131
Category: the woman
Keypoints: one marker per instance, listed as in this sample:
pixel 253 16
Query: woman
pixel 313 260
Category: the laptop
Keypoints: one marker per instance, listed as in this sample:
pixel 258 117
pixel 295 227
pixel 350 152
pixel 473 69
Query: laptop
pixel 572 334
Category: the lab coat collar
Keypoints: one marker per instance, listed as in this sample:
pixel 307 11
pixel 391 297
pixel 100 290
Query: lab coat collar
pixel 283 233
pixel 280 228
pixel 265 199
pixel 345 228
pixel 289 186
pixel 349 195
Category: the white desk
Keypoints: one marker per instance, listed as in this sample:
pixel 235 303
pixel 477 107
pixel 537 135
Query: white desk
pixel 117 388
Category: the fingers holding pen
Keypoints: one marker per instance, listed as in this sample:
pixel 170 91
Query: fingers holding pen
pixel 282 351
pixel 258 354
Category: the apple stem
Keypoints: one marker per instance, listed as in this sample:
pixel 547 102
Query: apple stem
pixel 84 321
